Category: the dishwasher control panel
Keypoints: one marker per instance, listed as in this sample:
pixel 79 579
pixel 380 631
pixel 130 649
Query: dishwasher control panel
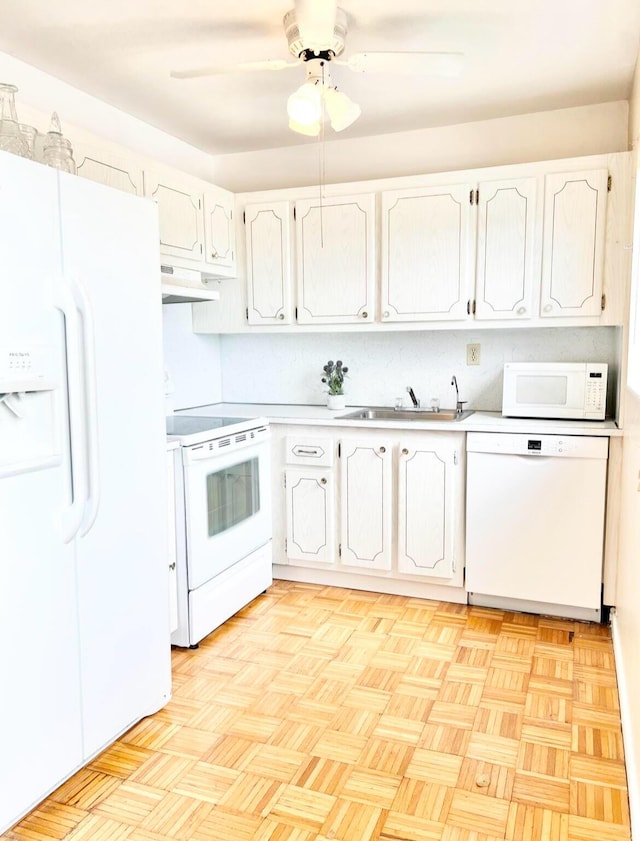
pixel 571 446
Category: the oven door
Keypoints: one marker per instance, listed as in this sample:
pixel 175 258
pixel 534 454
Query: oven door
pixel 228 508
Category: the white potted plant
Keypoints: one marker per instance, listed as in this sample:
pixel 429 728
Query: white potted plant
pixel 333 376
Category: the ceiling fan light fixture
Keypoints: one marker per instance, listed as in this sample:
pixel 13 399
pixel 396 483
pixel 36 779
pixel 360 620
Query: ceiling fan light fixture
pixel 342 110
pixel 304 106
pixel 310 129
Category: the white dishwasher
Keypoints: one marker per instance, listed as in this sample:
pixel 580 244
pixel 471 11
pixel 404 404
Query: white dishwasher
pixel 535 522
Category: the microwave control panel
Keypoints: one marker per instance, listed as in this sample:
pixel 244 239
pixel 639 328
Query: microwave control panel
pixel 595 397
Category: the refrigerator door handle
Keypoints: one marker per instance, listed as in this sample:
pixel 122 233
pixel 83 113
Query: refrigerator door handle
pixel 71 518
pixel 91 405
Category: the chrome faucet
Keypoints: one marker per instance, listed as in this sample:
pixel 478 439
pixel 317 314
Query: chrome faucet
pixel 414 399
pixel 459 403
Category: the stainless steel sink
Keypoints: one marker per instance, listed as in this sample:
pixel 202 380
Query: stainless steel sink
pixel 406 414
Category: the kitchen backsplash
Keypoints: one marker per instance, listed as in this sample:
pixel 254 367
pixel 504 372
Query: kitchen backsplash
pixel 286 368
pixel 193 361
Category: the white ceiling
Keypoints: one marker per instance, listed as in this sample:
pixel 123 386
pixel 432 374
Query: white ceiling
pixel 521 56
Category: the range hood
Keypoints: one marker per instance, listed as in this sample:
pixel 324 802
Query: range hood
pixel 184 286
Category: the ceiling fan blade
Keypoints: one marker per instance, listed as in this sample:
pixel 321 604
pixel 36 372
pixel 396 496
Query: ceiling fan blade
pixel 316 20
pixel 242 67
pixel 426 64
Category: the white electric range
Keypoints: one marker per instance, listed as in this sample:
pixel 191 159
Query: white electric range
pixel 223 518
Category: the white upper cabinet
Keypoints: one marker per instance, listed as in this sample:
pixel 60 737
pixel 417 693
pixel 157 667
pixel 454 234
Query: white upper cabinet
pixel 335 244
pixel 574 234
pixel 506 259
pixel 429 504
pixel 108 169
pixel 426 265
pixel 366 482
pixel 268 241
pixel 520 245
pixel 180 214
pixel 219 230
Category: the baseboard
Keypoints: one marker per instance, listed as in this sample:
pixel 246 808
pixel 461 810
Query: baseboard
pixel 633 779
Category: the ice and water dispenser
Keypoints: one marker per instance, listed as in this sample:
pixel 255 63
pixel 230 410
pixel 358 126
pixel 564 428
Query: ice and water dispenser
pixel 29 416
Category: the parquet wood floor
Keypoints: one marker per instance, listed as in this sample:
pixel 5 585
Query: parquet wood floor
pixel 323 714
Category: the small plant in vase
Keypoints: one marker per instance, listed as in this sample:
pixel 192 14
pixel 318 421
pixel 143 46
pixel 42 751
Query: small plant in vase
pixel 333 376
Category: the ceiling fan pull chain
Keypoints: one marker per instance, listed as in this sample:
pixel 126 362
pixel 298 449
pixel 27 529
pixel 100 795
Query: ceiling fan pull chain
pixel 321 161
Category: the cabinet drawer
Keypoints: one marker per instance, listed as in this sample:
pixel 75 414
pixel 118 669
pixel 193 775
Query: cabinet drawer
pixel 309 451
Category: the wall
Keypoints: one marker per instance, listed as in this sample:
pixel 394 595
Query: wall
pixel 565 133
pixel 287 368
pixel 627 620
pixel 586 130
pixel 192 361
pixel 89 119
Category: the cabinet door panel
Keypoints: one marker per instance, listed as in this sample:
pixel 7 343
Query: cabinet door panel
pixel 110 171
pixel 573 250
pixel 180 217
pixel 426 270
pixel 268 263
pixel 310 515
pixel 366 496
pixel 426 515
pixel 505 257
pixel 335 243
pixel 219 231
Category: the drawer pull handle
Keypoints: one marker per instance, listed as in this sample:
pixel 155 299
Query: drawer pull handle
pixel 300 452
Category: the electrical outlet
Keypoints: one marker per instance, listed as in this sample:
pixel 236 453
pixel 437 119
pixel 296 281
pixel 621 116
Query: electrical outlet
pixel 473 354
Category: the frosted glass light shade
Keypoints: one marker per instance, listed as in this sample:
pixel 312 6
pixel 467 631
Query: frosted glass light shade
pixel 311 130
pixel 342 111
pixel 304 106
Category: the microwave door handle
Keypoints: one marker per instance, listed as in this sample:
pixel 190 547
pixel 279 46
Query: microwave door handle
pixel 91 405
pixel 71 517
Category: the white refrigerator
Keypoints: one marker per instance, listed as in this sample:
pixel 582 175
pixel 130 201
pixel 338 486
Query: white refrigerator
pixel 84 624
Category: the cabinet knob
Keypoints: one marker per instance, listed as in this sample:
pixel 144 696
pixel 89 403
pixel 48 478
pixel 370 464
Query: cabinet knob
pixel 405 451
pixel 522 310
pixel 385 314
pixel 172 566
pixel 323 481
pixel 214 254
pixel 281 316
pixel 365 314
pixel 383 449
pixel 548 308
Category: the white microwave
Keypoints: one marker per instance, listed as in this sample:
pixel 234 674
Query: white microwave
pixel 575 390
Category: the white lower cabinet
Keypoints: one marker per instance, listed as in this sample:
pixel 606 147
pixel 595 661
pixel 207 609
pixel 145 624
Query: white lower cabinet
pixel 366 518
pixel 310 506
pixel 429 503
pixel 392 507
pixel 171 544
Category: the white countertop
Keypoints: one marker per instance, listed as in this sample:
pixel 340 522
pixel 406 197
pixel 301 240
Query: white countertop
pixel 477 422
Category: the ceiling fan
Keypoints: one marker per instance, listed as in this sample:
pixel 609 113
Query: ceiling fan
pixel 316 32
